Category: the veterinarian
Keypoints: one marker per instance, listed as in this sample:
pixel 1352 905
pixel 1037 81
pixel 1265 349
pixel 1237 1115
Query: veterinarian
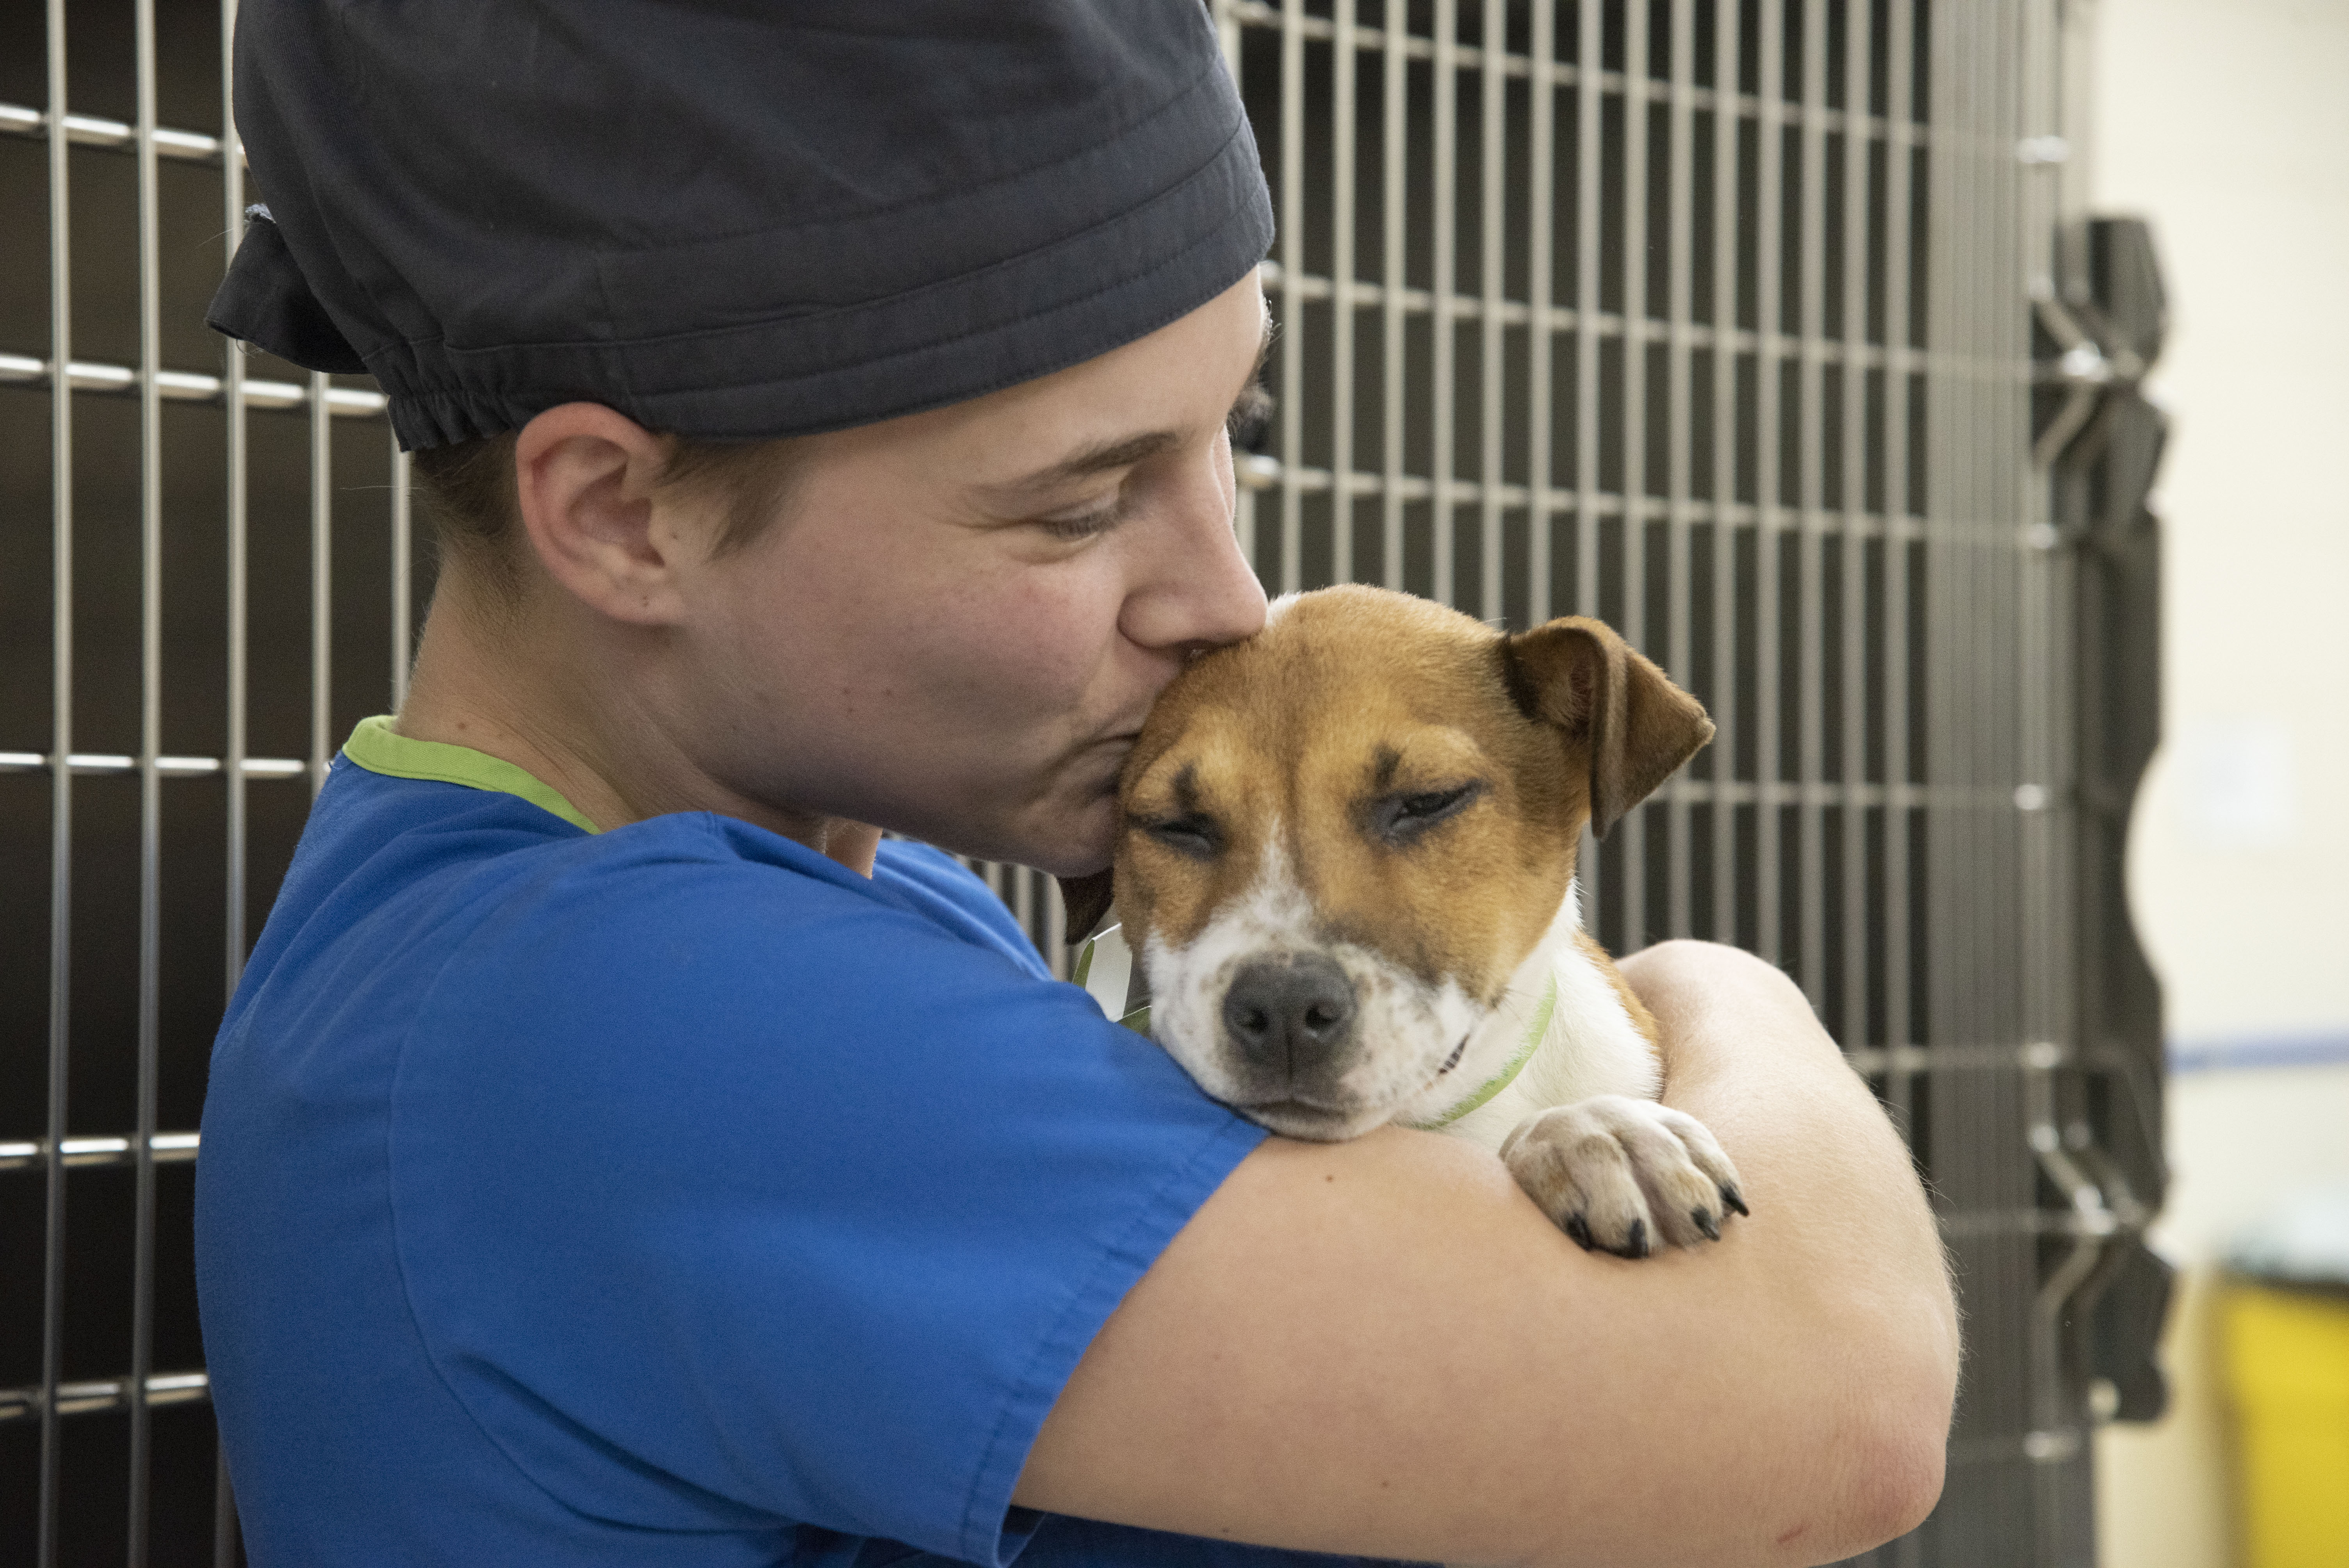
pixel 616 1154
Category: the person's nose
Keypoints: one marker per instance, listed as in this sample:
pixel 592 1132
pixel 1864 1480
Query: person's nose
pixel 1197 589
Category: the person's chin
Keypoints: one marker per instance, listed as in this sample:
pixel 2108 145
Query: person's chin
pixel 1069 829
pixel 1083 844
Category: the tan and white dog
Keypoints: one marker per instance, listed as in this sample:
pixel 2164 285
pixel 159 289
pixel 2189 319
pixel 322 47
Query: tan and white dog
pixel 1346 874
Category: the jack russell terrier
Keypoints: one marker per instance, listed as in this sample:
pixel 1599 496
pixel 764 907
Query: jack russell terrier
pixel 1347 875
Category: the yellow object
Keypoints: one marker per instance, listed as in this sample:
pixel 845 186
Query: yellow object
pixel 2287 1359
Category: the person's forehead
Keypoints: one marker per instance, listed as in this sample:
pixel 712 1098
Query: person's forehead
pixel 1108 413
pixel 1213 397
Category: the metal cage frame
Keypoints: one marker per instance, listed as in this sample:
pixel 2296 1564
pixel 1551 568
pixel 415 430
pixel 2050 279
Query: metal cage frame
pixel 1713 317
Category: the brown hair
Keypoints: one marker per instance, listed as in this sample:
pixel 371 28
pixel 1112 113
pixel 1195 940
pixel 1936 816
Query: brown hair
pixel 476 515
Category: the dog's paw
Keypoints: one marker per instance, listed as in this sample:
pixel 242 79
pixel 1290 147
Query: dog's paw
pixel 1624 1175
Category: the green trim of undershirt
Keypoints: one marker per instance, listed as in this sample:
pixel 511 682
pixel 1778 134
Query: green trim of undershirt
pixel 378 748
pixel 1535 1029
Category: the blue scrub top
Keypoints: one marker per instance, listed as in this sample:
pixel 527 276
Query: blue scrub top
pixel 666 1196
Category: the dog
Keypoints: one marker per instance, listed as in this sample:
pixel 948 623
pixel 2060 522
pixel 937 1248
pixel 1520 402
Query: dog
pixel 1346 870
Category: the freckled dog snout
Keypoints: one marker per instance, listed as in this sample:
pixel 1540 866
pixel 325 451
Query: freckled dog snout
pixel 1289 1014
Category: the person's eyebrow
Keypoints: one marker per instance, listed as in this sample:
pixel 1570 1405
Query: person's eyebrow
pixel 1128 450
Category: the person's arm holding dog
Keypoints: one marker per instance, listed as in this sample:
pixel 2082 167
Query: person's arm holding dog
pixel 1382 1347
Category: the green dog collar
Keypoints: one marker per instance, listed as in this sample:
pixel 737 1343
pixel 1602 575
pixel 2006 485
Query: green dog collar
pixel 1535 1030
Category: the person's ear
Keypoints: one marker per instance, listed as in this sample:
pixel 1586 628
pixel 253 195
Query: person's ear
pixel 584 483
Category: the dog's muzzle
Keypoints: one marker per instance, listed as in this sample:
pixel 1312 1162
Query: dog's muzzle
pixel 1289 1019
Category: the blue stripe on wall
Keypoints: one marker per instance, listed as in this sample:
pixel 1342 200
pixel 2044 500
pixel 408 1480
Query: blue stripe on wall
pixel 2258 1051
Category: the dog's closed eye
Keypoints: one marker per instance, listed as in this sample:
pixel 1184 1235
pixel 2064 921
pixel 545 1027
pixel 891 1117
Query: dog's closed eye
pixel 1194 833
pixel 1402 818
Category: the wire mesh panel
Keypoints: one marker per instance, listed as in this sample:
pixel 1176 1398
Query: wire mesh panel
pixel 1714 320
pixel 1707 318
pixel 181 646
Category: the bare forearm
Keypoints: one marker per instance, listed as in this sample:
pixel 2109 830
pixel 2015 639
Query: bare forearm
pixel 1839 1214
pixel 1383 1347
pixel 1745 1055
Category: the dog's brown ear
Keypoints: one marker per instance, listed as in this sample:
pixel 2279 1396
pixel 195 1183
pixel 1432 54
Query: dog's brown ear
pixel 1638 727
pixel 1087 900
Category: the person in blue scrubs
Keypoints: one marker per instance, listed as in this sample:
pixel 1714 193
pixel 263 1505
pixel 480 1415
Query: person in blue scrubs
pixel 618 1153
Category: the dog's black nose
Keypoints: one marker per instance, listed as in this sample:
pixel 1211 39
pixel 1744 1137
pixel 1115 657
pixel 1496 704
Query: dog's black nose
pixel 1290 1015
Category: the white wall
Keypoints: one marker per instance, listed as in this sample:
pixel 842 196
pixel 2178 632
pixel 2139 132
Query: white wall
pixel 2228 126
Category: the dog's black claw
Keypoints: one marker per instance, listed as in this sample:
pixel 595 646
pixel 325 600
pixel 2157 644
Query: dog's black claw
pixel 1704 1220
pixel 1577 1227
pixel 1734 1201
pixel 1635 1245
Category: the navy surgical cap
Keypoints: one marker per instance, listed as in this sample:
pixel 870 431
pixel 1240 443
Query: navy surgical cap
pixel 728 221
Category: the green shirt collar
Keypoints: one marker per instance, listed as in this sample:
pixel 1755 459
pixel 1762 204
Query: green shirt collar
pixel 378 748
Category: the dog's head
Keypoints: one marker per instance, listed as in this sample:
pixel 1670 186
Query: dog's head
pixel 1343 836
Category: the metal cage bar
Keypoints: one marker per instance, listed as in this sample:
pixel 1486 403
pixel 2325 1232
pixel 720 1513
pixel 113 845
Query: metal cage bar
pixel 1344 105
pixel 1769 767
pixel 1809 545
pixel 1680 453
pixel 1394 102
pixel 1854 942
pixel 1895 719
pixel 225 1542
pixel 1723 695
pixel 1810 500
pixel 1445 221
pixel 1493 166
pixel 53 1215
pixel 1631 865
pixel 234 502
pixel 1589 49
pixel 151 786
pixel 1541 172
pixel 1291 243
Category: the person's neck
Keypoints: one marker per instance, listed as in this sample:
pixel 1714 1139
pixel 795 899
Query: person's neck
pixel 552 699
